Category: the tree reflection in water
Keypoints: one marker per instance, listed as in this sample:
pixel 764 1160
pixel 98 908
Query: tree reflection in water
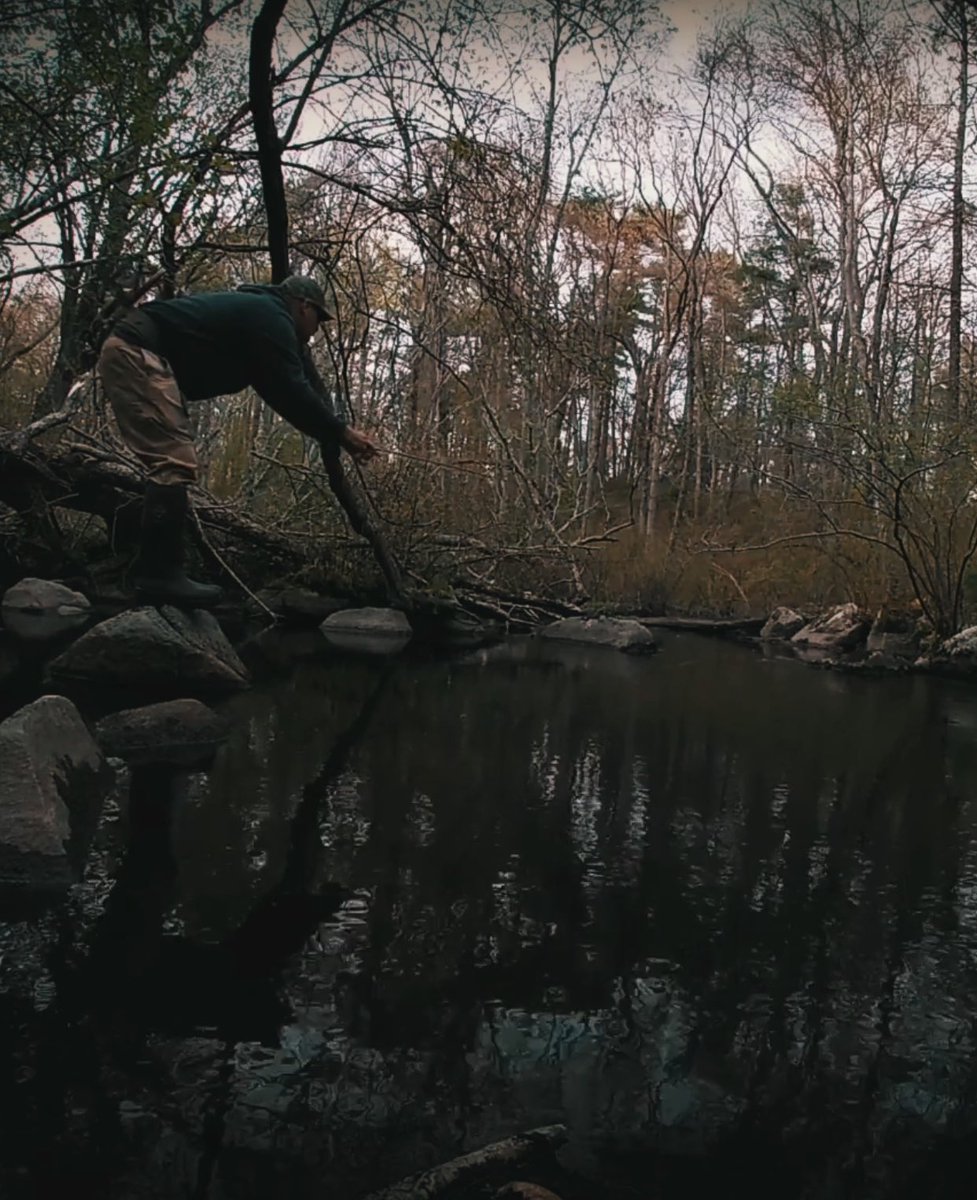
pixel 713 911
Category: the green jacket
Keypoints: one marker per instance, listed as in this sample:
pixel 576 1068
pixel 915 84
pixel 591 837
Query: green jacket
pixel 217 343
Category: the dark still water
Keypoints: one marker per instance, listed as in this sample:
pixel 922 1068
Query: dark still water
pixel 715 912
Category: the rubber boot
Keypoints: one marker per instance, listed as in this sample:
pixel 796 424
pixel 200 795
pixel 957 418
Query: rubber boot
pixel 158 573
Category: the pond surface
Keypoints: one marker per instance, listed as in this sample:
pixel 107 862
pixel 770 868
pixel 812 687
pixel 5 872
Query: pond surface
pixel 714 911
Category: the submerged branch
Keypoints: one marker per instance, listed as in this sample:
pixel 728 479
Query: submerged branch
pixel 432 1184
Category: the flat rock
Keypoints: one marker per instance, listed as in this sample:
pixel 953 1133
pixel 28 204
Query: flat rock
pixel 40 609
pixel 842 628
pixel 368 630
pixel 53 778
pixel 617 633
pixel 149 649
pixel 184 732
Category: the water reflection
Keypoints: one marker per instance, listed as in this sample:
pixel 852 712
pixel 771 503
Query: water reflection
pixel 669 900
pixel 704 903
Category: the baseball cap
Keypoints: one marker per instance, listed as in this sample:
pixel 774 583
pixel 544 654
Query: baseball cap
pixel 302 287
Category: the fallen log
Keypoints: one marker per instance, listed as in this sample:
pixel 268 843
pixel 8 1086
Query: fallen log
pixel 37 480
pixel 519 611
pixel 434 1183
pixel 704 624
pixel 544 604
pixel 33 481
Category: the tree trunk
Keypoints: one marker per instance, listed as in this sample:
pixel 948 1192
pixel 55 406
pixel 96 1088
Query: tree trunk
pixel 261 97
pixel 276 210
pixel 962 17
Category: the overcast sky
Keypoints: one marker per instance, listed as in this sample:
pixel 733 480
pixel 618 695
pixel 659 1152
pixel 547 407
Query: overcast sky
pixel 691 16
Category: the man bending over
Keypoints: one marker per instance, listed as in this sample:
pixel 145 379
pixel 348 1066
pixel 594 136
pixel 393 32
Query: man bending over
pixel 167 352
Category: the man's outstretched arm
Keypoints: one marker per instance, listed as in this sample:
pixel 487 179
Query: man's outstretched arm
pixel 360 446
pixel 286 383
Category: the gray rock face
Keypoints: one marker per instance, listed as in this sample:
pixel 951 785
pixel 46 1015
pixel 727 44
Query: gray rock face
pixel 617 633
pixel 152 648
pixel 38 609
pixel 52 780
pixel 893 639
pixel 842 628
pixel 782 624
pixel 185 732
pixel 368 630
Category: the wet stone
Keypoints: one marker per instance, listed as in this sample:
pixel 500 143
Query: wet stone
pixel 40 609
pixel 617 633
pixel 374 631
pixel 182 732
pixel 52 780
pixel 149 649
pixel 842 628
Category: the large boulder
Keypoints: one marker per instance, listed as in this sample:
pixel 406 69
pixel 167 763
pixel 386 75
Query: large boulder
pixel 183 732
pixel 368 630
pixel 39 609
pixel 782 624
pixel 955 656
pixel 617 633
pixel 842 628
pixel 53 778
pixel 154 649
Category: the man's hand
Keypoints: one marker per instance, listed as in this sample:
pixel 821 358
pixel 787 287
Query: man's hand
pixel 360 446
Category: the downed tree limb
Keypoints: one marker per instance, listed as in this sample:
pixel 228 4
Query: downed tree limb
pixel 506 617
pixel 433 1184
pixel 519 610
pixel 20 439
pixel 37 480
pixel 32 478
pixel 704 624
pixel 544 604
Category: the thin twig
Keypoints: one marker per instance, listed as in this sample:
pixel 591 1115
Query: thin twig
pixel 223 562
pixel 817 535
pixel 733 580
pixel 441 463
